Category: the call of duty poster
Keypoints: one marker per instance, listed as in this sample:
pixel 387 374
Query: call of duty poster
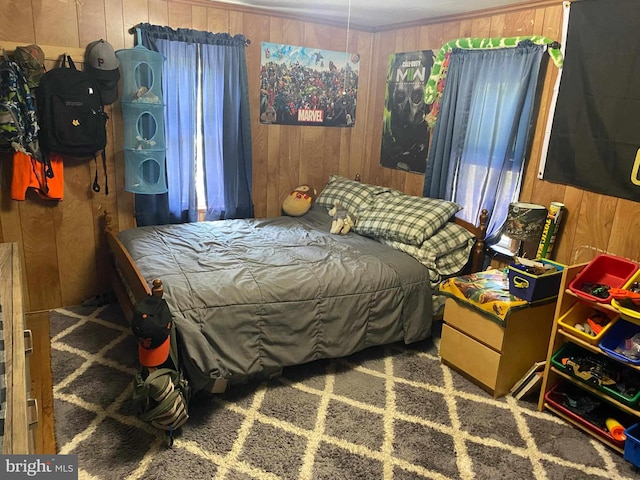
pixel 405 134
pixel 308 86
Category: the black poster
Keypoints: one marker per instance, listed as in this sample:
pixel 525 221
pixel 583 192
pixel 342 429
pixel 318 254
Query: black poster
pixel 595 134
pixel 405 133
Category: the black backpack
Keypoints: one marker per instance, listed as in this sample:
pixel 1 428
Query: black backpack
pixel 161 395
pixel 71 117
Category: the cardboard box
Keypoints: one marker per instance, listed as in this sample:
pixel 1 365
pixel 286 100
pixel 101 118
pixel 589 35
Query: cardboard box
pixel 532 287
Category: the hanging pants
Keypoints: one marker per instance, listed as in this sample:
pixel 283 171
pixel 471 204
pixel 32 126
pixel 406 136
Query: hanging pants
pixel 29 173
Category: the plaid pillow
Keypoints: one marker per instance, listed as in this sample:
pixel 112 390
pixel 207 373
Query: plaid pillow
pixel 351 194
pixel 405 218
pixel 446 251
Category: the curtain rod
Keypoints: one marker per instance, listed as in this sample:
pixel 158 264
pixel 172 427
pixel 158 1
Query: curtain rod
pixel 133 29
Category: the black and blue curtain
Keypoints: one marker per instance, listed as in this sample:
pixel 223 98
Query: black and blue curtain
pixel 481 137
pixel 207 127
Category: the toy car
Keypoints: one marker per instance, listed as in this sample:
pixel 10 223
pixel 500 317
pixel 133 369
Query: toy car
pixel 591 370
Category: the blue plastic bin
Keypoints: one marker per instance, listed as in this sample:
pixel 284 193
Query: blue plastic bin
pixel 632 444
pixel 618 332
pixel 531 287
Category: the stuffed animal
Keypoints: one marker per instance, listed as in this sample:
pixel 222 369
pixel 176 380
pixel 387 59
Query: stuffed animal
pixel 343 221
pixel 299 201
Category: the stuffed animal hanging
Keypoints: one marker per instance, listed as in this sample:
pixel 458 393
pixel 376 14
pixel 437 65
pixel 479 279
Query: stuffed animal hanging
pixel 343 221
pixel 299 201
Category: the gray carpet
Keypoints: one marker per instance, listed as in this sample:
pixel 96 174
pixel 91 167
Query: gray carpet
pixel 387 413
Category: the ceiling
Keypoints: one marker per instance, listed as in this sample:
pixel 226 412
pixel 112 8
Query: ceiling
pixel 371 14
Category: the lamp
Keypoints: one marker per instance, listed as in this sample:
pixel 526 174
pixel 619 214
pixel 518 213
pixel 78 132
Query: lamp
pixel 525 222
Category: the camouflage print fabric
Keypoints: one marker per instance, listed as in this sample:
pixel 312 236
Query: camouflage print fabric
pixel 30 59
pixel 18 120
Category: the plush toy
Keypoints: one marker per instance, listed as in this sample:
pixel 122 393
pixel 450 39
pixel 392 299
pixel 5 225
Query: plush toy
pixel 342 219
pixel 299 201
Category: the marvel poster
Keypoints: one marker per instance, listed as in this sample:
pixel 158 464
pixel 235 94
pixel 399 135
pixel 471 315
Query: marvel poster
pixel 405 134
pixel 307 86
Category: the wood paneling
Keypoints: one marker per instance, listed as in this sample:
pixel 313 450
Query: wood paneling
pixel 158 12
pixel 62 244
pixel 179 15
pixel 274 195
pixel 91 21
pixel 256 29
pixel 626 221
pixel 135 12
pixel 16 19
pixel 199 18
pixel 115 24
pixel 356 149
pixel 217 20
pixel 56 22
pixel 384 44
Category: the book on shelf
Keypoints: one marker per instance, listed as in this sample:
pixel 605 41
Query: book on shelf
pixel 527 377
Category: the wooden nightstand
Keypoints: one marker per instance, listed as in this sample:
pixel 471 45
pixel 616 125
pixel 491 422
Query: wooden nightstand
pixel 495 353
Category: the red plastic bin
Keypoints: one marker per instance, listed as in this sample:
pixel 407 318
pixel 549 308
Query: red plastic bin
pixel 555 396
pixel 605 270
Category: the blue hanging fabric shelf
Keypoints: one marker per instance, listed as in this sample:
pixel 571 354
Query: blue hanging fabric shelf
pixel 143 115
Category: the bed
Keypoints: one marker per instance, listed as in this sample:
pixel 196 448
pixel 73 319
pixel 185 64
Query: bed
pixel 250 297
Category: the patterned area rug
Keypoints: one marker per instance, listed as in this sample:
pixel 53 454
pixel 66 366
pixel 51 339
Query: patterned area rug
pixel 391 412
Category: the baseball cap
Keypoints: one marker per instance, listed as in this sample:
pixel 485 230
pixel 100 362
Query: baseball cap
pixel 31 62
pixel 151 325
pixel 103 66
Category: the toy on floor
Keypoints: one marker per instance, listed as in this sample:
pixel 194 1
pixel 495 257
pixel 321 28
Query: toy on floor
pixel 343 221
pixel 299 201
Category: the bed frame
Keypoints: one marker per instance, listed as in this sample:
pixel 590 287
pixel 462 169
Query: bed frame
pixel 130 286
pixel 480 231
pixel 127 282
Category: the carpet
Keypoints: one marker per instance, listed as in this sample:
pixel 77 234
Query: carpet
pixel 392 412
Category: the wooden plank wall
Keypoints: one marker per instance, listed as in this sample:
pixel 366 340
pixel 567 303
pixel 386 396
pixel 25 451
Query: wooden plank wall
pixel 594 223
pixel 62 244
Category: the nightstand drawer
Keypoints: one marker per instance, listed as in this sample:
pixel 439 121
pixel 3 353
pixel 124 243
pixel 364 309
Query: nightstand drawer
pixel 474 324
pixel 475 359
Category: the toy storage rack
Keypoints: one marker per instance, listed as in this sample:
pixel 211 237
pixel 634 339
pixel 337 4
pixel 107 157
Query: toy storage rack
pixel 552 375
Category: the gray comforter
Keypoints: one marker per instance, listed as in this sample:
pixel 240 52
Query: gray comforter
pixel 252 296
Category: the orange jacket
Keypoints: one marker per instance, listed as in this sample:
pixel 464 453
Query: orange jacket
pixel 29 173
